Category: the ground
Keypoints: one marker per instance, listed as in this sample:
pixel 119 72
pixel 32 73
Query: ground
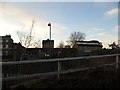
pixel 105 77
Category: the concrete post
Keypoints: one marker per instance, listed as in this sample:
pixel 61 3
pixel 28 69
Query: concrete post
pixel 59 69
pixel 117 62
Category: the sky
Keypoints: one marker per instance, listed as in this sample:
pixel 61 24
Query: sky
pixel 98 20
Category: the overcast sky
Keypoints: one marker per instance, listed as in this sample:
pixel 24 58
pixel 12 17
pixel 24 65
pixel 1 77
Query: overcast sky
pixel 98 20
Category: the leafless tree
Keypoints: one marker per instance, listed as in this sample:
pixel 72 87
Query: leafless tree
pixel 26 39
pixel 76 36
pixel 36 44
pixel 61 44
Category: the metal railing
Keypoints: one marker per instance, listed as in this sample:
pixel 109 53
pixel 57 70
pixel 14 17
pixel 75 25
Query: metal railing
pixel 17 70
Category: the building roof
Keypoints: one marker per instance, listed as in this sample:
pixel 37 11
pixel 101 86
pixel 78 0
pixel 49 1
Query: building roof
pixel 6 36
pixel 89 43
pixel 48 40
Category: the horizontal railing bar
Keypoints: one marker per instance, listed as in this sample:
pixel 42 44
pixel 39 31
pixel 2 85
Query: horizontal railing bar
pixel 53 73
pixel 54 60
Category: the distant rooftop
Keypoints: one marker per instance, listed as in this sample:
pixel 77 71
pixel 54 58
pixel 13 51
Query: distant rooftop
pixel 92 42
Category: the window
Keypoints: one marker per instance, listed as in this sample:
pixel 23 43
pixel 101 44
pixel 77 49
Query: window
pixel 7 40
pixel 0 52
pixel 6 46
pixel 6 53
pixel 15 47
pixel 1 40
pixel 1 46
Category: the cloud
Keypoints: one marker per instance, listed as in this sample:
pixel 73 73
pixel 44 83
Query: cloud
pixel 112 13
pixel 106 0
pixel 97 29
pixel 117 28
pixel 13 14
pixel 94 33
pixel 13 18
pixel 102 33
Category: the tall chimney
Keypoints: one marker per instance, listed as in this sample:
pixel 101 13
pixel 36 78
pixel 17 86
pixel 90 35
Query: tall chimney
pixel 50 29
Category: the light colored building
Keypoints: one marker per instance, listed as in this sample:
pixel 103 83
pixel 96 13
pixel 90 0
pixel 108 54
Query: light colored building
pixel 87 46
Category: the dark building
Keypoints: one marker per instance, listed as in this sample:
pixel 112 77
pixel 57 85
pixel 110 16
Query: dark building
pixel 88 46
pixel 9 50
pixel 45 53
pixel 18 50
pixel 80 48
pixel 48 43
pixel 14 51
pixel 67 46
pixel 6 45
pixel 0 49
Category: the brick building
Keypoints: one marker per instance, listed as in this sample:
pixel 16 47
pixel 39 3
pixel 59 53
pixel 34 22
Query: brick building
pixel 48 43
pixel 10 50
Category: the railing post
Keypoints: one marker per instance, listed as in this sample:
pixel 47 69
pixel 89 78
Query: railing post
pixel 59 68
pixel 117 62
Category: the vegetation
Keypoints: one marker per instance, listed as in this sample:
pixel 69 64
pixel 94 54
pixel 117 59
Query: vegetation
pixel 104 77
pixel 61 45
pixel 114 45
pixel 76 36
pixel 26 39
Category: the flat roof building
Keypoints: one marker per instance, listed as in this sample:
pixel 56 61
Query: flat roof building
pixel 87 46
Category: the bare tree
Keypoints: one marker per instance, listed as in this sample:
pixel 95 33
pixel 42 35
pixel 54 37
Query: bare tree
pixel 26 37
pixel 36 44
pixel 61 44
pixel 27 40
pixel 76 36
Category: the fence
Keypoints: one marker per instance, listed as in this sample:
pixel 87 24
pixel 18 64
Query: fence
pixel 21 70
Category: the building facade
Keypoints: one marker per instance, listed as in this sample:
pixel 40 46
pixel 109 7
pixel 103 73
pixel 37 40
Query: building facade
pixel 46 53
pixel 48 43
pixel 87 46
pixel 9 50
pixel 14 51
